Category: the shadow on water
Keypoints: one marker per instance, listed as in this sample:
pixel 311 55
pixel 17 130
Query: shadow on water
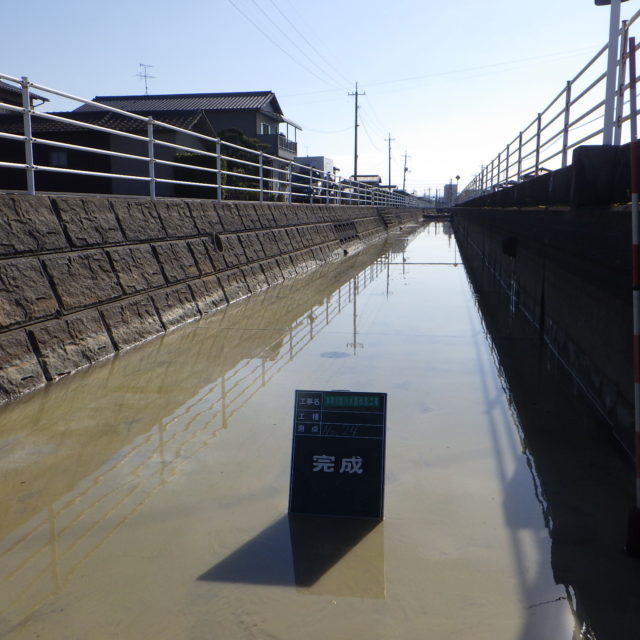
pixel 582 478
pixel 340 556
pixel 65 449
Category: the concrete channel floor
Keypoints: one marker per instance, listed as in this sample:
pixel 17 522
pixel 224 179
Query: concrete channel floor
pixel 146 497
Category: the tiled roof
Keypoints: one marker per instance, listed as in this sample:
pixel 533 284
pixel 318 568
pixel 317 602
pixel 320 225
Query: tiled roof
pixel 189 101
pixel 7 88
pixel 183 119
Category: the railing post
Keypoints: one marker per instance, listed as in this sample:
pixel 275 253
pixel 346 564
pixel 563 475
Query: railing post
pixel 289 183
pixel 310 185
pixel 538 134
pixel 520 157
pixel 499 167
pixel 567 122
pixel 219 168
pixel 28 134
pixel 622 66
pixel 261 176
pixel 506 177
pixel 152 159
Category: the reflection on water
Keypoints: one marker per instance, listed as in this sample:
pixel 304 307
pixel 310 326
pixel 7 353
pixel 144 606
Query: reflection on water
pixel 135 417
pixel 146 497
pixel 582 478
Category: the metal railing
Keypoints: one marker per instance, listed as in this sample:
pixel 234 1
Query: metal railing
pixel 575 116
pixel 75 152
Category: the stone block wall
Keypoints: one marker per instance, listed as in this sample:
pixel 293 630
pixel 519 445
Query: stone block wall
pixel 569 273
pixel 84 277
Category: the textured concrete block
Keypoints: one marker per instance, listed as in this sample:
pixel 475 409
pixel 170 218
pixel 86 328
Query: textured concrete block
pixel 286 266
pixel 280 215
pixel 205 216
pixel 208 294
pixel 28 224
pixel 283 241
pixel 25 294
pixel 176 261
pixel 20 370
pixel 82 279
pixel 175 306
pixel 250 218
pixel 255 278
pixel 269 244
pixel 88 221
pixel 215 255
pixel 136 267
pixel 229 217
pixel 295 239
pixel 233 253
pixel 272 271
pixel 71 343
pixel 252 247
pixel 234 285
pixel 306 237
pixel 176 218
pixel 201 256
pixel 265 215
pixel 319 255
pixel 138 219
pixel 131 321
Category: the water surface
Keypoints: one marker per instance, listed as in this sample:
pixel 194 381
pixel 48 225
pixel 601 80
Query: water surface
pixel 146 497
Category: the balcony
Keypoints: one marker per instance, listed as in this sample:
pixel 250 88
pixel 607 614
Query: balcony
pixel 279 145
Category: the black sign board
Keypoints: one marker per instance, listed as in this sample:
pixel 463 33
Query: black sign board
pixel 337 459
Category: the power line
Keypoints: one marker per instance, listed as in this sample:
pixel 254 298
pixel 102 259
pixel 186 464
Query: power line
pixel 268 37
pixel 288 37
pixel 373 144
pixel 318 53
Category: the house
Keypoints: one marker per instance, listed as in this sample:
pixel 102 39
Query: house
pixel 101 131
pixel 256 113
pixel 12 95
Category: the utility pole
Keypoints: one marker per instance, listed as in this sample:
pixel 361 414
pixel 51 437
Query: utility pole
pixel 355 144
pixel 404 176
pixel 390 140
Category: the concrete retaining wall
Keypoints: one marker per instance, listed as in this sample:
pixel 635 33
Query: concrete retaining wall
pixel 84 278
pixel 569 273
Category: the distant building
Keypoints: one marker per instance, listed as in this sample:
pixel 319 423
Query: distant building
pixel 369 179
pixel 450 193
pixel 321 163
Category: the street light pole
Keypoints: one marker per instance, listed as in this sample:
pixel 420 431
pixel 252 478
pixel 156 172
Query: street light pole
pixel 612 62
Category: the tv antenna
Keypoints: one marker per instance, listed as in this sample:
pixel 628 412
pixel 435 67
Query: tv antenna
pixel 144 74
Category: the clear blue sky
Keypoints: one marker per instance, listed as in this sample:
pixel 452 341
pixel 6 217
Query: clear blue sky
pixel 452 82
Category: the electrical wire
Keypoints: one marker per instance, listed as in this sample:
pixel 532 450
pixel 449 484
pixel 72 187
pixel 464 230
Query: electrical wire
pixel 276 44
pixel 373 144
pixel 318 53
pixel 294 44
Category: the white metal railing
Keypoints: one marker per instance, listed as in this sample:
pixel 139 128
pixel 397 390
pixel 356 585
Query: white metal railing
pixel 575 116
pixel 149 157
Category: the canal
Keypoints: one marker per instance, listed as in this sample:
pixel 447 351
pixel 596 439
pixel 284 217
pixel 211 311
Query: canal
pixel 146 497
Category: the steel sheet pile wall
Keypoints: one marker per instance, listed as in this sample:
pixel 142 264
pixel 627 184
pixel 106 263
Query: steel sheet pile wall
pixel 83 278
pixel 569 273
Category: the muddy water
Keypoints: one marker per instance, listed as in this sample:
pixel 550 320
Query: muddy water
pixel 146 497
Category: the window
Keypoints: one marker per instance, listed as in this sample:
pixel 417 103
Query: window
pixel 59 158
pixel 266 129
